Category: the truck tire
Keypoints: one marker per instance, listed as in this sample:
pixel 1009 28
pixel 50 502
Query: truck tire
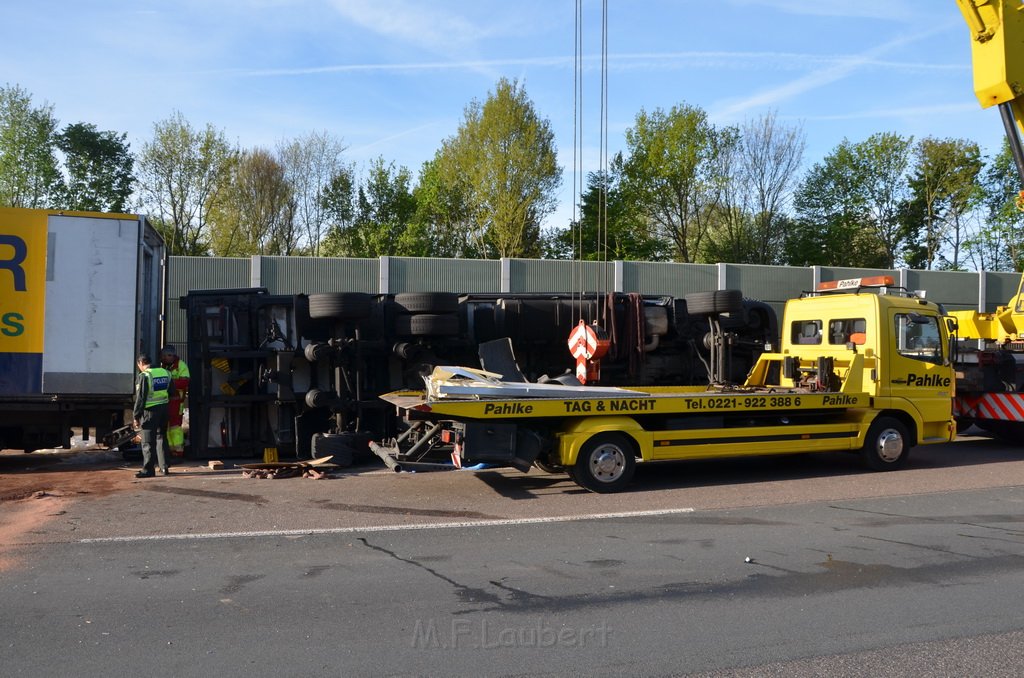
pixel 887 445
pixel 340 305
pixel 606 463
pixel 427 302
pixel 427 325
pixel 342 447
pixel 713 303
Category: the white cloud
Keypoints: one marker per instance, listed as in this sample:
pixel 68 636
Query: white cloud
pixel 647 61
pixel 420 24
pixel 914 112
pixel 819 78
pixel 894 10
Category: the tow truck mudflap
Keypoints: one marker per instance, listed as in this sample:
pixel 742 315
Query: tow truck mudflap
pixel 506 444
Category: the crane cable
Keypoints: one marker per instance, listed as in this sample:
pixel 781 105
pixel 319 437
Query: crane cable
pixel 577 165
pixel 602 220
pixel 601 284
pixel 588 342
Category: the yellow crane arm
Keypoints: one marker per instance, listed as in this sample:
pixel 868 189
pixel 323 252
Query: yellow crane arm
pixel 997 52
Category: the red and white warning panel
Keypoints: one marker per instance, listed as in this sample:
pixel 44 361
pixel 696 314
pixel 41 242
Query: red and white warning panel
pixel 588 344
pixel 991 406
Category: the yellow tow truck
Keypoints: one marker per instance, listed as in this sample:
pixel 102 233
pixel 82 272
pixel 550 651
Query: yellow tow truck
pixel 862 366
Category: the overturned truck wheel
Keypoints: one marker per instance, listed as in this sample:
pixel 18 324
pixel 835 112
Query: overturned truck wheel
pixel 427 302
pixel 713 303
pixel 427 325
pixel 343 448
pixel 340 305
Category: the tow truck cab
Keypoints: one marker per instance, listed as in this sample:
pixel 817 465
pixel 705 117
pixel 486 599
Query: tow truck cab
pixel 896 344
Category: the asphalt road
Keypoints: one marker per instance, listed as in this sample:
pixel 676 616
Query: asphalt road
pixel 850 573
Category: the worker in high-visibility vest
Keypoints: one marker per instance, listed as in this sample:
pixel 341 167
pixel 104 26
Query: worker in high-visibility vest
pixel 176 408
pixel 153 389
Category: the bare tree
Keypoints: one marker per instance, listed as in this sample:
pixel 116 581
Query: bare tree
pixel 311 163
pixel 180 171
pixel 770 158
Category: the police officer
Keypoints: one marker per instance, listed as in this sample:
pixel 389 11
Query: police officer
pixel 153 388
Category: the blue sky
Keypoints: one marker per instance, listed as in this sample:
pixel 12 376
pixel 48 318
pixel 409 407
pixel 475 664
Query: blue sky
pixel 391 77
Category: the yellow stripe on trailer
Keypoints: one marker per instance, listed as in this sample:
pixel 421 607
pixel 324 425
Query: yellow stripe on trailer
pixel 657 402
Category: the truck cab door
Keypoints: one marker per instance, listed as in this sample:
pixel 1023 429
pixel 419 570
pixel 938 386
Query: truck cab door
pixel 918 365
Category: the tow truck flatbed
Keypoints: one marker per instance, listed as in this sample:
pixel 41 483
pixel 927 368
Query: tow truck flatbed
pixel 648 401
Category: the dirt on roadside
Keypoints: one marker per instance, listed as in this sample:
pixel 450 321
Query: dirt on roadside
pixel 37 487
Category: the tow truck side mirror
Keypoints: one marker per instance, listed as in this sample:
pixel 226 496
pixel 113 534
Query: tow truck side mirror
pixel 952 355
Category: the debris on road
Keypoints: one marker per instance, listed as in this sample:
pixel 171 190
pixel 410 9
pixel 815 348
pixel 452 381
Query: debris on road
pixel 317 469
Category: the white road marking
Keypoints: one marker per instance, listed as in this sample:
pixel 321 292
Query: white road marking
pixel 388 528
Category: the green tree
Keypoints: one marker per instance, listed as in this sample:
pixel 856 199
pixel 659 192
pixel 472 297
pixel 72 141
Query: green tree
pixel 29 171
pixel 180 171
pixel 672 172
pixel 444 211
pixel 254 212
pixel 1001 245
pixel 851 207
pixel 885 158
pixel 832 214
pixel 945 188
pixel 500 170
pixel 625 235
pixel 383 221
pixel 99 168
pixel 338 202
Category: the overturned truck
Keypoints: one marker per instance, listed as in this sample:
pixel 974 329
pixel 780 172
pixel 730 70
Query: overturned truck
pixel 302 375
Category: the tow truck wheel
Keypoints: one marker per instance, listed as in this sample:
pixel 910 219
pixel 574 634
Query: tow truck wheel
pixel 606 463
pixel 887 445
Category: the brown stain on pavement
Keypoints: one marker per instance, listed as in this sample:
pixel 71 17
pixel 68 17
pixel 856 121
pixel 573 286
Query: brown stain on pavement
pixel 403 511
pixel 207 494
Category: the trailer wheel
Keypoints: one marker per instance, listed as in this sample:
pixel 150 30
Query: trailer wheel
pixel 713 303
pixel 340 305
pixel 427 302
pixel 887 445
pixel 606 463
pixel 427 325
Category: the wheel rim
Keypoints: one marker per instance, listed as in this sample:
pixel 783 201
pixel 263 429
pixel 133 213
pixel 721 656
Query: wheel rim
pixel 890 445
pixel 607 463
